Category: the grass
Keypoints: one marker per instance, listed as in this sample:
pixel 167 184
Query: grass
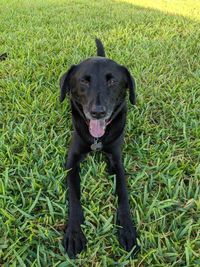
pixel 159 42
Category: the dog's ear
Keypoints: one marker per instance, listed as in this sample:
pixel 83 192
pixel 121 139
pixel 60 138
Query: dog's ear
pixel 100 48
pixel 130 84
pixel 65 83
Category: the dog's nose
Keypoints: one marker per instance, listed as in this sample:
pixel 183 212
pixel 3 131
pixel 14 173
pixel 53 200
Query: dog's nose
pixel 98 111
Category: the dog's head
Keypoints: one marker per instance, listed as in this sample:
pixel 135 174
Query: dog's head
pixel 98 86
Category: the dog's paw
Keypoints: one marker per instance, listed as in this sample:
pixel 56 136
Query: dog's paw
pixel 127 238
pixel 74 241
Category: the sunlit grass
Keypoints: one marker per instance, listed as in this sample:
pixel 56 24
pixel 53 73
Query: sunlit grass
pixel 188 8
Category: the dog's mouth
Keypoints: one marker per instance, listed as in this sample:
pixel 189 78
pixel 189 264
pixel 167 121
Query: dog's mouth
pixel 97 127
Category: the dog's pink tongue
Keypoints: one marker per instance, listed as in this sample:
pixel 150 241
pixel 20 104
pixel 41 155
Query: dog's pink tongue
pixel 97 128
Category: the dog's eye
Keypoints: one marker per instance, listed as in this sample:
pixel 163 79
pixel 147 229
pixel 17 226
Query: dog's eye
pixel 85 81
pixel 110 79
pixel 111 82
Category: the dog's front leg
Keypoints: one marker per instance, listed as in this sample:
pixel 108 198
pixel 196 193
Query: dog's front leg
pixel 74 239
pixel 127 231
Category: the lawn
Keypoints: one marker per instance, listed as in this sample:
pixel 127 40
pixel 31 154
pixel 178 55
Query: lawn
pixel 159 42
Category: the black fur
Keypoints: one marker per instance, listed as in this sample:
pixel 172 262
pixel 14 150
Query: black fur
pixel 100 48
pixel 97 84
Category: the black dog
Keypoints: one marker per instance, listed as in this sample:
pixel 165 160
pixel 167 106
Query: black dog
pixel 97 89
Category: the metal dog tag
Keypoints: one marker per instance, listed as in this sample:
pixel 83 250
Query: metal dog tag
pixel 96 146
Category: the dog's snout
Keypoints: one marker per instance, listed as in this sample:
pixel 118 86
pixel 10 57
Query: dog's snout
pixel 98 111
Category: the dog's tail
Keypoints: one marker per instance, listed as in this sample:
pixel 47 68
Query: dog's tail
pixel 100 48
